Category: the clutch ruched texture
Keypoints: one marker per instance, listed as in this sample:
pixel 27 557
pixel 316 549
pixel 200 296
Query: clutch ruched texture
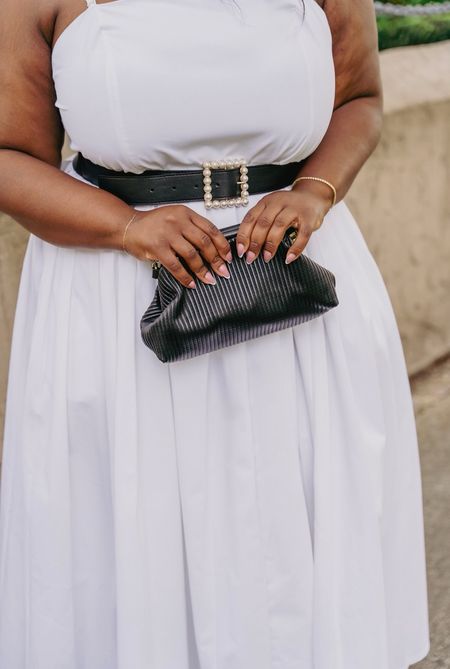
pixel 256 300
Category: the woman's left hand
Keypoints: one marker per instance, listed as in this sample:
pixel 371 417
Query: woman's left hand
pixel 264 225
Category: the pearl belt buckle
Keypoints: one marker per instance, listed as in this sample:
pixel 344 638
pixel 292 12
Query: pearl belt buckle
pixel 225 201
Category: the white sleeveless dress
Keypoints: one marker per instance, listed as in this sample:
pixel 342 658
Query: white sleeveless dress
pixel 258 507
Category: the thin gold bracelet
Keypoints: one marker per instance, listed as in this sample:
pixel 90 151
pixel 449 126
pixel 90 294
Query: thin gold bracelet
pixel 126 230
pixel 323 181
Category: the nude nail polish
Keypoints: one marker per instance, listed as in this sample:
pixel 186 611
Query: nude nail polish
pixel 210 279
pixel 223 271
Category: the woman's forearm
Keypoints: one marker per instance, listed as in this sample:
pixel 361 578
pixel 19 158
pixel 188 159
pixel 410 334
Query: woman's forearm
pixel 57 207
pixel 351 137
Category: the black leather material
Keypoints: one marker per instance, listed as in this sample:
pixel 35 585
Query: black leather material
pixel 159 187
pixel 258 299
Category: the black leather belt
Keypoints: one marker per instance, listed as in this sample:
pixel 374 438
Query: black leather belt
pixel 217 183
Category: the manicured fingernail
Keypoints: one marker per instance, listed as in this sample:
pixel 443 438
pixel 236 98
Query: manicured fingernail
pixel 240 250
pixel 267 256
pixel 192 285
pixel 250 257
pixel 222 270
pixel 289 258
pixel 229 256
pixel 210 279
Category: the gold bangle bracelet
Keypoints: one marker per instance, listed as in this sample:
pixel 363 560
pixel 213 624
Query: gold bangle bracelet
pixel 323 181
pixel 126 230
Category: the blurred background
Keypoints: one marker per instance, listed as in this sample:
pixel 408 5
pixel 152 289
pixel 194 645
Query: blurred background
pixel 401 200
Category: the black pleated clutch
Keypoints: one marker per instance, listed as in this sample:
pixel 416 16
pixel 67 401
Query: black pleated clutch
pixel 256 300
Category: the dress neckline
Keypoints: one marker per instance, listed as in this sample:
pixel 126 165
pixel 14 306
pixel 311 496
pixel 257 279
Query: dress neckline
pixel 95 7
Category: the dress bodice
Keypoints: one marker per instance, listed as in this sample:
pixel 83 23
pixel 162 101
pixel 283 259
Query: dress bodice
pixel 167 84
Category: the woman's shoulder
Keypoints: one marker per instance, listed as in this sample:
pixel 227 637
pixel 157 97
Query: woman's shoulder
pixel 29 19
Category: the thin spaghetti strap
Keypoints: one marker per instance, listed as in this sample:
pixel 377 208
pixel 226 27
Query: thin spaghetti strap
pixel 90 2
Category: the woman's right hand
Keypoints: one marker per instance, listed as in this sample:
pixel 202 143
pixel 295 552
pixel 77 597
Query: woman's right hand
pixel 170 232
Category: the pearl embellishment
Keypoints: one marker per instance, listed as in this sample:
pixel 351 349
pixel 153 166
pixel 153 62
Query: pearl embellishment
pixel 243 183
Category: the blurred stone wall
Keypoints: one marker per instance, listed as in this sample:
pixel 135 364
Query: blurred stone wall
pixel 12 246
pixel 400 199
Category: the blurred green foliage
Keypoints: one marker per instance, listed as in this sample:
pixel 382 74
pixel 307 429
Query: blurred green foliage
pixel 396 31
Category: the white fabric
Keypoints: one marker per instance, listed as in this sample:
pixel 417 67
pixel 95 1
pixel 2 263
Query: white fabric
pixel 254 508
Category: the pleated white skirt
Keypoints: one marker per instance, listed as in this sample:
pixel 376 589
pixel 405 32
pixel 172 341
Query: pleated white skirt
pixel 258 507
